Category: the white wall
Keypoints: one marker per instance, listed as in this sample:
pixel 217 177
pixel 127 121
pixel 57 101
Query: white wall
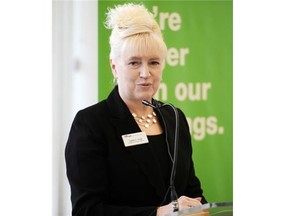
pixel 75 67
pixel 25 108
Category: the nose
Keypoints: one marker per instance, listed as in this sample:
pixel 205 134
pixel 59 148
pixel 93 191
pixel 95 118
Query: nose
pixel 144 71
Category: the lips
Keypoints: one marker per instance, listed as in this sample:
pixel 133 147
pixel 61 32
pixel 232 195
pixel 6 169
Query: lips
pixel 144 84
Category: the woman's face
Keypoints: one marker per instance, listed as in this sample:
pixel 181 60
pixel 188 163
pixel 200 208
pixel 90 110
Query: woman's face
pixel 138 74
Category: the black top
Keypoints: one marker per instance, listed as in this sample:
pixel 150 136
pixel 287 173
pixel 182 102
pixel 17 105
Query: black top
pixel 159 148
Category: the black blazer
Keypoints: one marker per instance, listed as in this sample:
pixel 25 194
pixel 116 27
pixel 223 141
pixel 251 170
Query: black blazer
pixel 107 178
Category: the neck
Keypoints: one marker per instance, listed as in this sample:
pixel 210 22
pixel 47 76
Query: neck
pixel 139 108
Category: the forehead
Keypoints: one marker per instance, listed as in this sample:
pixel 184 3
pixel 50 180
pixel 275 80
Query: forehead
pixel 143 46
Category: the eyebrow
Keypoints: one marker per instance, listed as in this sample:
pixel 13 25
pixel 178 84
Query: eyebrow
pixel 133 58
pixel 138 57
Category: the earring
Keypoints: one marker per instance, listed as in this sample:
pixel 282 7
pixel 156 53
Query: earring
pixel 115 80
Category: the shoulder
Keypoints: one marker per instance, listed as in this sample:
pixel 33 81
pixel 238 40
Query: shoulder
pixel 171 110
pixel 98 107
pixel 93 113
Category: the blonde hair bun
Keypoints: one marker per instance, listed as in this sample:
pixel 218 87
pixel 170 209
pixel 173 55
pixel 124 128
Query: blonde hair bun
pixel 130 19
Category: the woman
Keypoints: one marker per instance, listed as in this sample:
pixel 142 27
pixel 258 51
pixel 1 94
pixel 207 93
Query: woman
pixel 119 153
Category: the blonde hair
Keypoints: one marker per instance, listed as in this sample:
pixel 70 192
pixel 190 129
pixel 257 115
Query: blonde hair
pixel 134 26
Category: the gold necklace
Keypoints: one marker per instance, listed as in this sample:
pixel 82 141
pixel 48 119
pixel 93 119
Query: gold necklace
pixel 147 121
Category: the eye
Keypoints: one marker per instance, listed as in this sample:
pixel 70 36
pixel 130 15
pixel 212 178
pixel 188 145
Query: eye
pixel 155 63
pixel 134 64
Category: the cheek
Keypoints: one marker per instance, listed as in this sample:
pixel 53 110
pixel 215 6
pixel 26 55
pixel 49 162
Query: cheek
pixel 158 76
pixel 127 75
pixel 157 79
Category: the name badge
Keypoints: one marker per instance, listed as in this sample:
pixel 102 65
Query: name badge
pixel 134 139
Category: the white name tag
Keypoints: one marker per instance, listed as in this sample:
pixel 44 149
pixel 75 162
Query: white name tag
pixel 134 139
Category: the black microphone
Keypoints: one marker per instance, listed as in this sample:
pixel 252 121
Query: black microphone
pixel 147 103
pixel 173 194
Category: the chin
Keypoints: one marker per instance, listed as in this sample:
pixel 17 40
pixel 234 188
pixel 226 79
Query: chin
pixel 145 97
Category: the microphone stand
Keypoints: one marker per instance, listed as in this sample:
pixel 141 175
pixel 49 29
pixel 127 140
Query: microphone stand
pixel 173 194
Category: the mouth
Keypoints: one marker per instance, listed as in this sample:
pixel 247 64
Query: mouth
pixel 145 84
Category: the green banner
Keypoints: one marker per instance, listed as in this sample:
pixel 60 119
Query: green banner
pixel 197 78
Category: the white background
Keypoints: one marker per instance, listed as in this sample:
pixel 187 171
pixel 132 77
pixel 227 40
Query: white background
pixel 28 156
pixel 75 54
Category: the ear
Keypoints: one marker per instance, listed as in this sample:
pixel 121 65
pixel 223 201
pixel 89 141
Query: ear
pixel 113 68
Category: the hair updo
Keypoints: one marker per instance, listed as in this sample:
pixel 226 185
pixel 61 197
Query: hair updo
pixel 133 26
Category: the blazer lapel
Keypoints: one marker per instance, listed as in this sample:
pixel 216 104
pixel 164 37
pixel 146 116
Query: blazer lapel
pixel 168 123
pixel 142 154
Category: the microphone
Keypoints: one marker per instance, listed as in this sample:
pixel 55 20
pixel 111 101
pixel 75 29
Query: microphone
pixel 173 194
pixel 147 103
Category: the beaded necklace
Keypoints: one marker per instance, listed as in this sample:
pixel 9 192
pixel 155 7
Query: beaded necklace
pixel 147 121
